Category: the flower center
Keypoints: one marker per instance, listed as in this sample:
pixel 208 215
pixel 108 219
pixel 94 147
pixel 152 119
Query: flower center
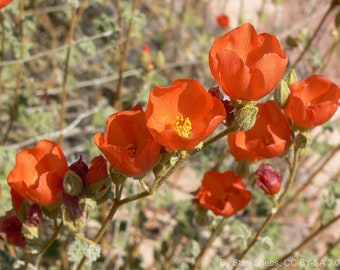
pixel 268 139
pixel 182 125
pixel 131 149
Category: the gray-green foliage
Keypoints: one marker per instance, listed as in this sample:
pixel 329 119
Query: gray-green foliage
pixel 79 248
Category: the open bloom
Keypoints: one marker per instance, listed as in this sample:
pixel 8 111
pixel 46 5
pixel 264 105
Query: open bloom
pixel 223 193
pixel 246 65
pixel 127 143
pixel 269 137
pixel 39 172
pixel 182 115
pixel 268 179
pixel 313 101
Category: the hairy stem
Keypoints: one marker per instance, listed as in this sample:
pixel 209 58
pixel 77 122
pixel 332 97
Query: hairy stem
pixel 305 241
pixel 74 20
pixel 208 243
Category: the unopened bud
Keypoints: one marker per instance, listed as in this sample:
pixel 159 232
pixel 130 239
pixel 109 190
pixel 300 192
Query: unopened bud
pixel 146 59
pixel 117 177
pixel 290 77
pixel 73 184
pixel 281 93
pixel 303 140
pixel 245 116
pixel 159 60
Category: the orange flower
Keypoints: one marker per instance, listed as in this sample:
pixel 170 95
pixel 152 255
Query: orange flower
pixel 223 193
pixel 247 66
pixel 269 137
pixel 4 3
pixel 98 170
pixel 312 102
pixel 223 20
pixel 38 173
pixel 182 115
pixel 127 143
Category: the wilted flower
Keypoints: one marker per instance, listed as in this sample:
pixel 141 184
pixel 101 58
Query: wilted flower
pixel 268 179
pixel 10 229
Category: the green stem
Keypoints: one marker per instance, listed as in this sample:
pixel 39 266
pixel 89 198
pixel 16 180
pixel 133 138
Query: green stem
pixel 49 243
pixel 275 210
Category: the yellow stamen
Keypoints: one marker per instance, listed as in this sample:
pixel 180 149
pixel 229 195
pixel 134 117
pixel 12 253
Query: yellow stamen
pixel 182 125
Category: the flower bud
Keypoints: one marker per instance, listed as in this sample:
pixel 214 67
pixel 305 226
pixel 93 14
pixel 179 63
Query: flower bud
pixel 145 59
pixel 303 140
pixel 290 77
pixel 117 177
pixel 281 93
pixel 268 179
pixel 245 116
pixel 73 184
pixel 159 60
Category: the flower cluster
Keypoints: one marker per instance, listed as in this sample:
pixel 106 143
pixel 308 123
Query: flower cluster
pixel 178 118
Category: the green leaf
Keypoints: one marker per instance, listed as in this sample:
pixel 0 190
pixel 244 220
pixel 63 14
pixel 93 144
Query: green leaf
pixel 267 243
pixel 195 248
pixel 92 252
